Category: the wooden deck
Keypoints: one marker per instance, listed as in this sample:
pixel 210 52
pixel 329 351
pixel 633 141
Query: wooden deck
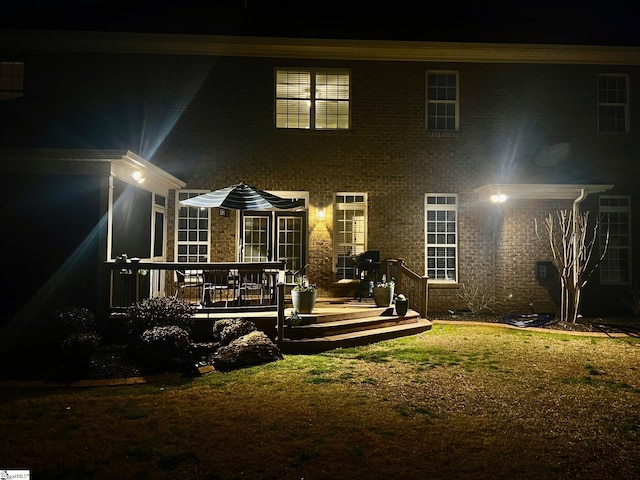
pixel 334 323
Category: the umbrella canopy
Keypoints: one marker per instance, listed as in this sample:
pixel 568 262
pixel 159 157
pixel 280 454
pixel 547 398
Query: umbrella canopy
pixel 243 197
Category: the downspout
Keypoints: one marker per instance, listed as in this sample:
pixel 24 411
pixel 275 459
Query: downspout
pixel 576 211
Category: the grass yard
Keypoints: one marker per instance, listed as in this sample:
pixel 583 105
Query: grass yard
pixel 457 402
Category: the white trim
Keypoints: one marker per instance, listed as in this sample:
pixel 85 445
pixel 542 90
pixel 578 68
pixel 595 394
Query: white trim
pixel 439 207
pixel 156 179
pixel 380 50
pixel 435 101
pixel 538 191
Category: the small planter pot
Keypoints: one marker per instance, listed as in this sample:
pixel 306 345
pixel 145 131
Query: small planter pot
pixel 401 307
pixel 304 302
pixel 293 322
pixel 383 296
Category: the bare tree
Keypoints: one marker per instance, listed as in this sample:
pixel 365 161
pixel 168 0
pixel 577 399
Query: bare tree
pixel 571 251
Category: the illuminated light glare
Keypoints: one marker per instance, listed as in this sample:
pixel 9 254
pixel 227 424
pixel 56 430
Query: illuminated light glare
pixel 321 214
pixel 498 198
pixel 137 176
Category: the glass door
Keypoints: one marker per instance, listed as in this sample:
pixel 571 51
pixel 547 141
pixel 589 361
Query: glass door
pixel 271 236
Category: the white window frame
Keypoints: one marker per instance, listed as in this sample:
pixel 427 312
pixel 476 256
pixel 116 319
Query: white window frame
pixel 11 80
pixel 611 272
pixel 303 94
pixel 199 243
pixel 273 217
pixel 605 103
pixel 341 249
pixel 440 102
pixel 446 208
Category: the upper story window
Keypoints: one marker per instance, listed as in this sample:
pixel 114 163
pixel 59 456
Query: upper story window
pixel 613 103
pixel 11 80
pixel 442 101
pixel 312 99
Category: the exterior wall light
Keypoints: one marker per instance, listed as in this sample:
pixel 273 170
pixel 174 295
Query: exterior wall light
pixel 498 198
pixel 320 214
pixel 137 176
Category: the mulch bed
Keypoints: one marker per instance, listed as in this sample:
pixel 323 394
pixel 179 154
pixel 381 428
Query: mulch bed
pixel 606 325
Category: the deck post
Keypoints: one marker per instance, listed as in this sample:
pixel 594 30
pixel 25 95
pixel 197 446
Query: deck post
pixel 280 304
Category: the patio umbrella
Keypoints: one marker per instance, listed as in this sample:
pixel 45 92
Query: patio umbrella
pixel 243 197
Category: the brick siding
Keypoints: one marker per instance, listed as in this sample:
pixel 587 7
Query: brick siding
pixel 225 134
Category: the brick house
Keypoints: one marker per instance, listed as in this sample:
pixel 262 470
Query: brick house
pixel 396 146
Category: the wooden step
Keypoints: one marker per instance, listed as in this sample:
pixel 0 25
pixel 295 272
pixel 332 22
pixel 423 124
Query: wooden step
pixel 353 339
pixel 347 324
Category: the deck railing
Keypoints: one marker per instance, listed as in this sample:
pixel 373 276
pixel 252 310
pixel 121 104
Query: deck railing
pixel 414 286
pixel 250 285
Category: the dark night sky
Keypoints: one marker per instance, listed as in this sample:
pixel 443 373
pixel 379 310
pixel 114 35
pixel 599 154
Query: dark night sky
pixel 543 21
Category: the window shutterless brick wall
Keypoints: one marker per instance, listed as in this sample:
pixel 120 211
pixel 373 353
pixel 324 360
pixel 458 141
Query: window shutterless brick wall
pixel 506 114
pixel 224 132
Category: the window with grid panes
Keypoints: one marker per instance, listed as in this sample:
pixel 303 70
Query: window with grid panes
pixel 312 99
pixel 442 101
pixel 290 240
pixel 11 80
pixel 441 213
pixel 615 235
pixel 271 236
pixel 192 231
pixel 255 239
pixel 350 232
pixel 613 103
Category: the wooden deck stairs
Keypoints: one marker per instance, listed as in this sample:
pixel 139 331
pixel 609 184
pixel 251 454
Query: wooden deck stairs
pixel 351 324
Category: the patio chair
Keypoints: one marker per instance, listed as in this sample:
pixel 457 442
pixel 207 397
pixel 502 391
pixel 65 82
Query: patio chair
pixel 252 286
pixel 189 285
pixel 216 287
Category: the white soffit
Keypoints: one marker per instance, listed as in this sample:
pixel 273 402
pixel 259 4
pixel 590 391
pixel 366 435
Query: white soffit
pixel 135 170
pixel 539 191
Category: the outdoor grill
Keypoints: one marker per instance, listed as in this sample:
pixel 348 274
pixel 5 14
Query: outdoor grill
pixel 368 271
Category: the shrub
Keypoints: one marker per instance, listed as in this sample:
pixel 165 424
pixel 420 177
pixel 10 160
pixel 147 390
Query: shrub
pixel 164 345
pixel 227 330
pixel 73 334
pixel 475 300
pixel 158 312
pixel 78 347
pixel 73 339
pixel 73 320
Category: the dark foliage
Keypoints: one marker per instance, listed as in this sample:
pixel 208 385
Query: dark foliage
pixel 164 346
pixel 157 312
pixel 227 330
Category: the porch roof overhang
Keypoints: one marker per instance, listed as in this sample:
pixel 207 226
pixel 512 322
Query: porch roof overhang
pixel 133 169
pixel 539 191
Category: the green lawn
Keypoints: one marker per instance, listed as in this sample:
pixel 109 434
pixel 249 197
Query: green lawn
pixel 457 402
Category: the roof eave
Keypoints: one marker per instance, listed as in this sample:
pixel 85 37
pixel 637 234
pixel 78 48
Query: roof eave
pixel 539 191
pixel 380 50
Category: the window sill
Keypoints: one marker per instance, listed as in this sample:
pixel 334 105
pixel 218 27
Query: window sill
pixel 443 285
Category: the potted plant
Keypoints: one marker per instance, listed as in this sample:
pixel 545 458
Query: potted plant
pixel 402 305
pixel 293 319
pixel 383 292
pixel 303 296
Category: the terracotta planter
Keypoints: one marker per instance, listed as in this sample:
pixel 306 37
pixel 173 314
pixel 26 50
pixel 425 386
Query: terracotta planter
pixel 304 302
pixel 383 296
